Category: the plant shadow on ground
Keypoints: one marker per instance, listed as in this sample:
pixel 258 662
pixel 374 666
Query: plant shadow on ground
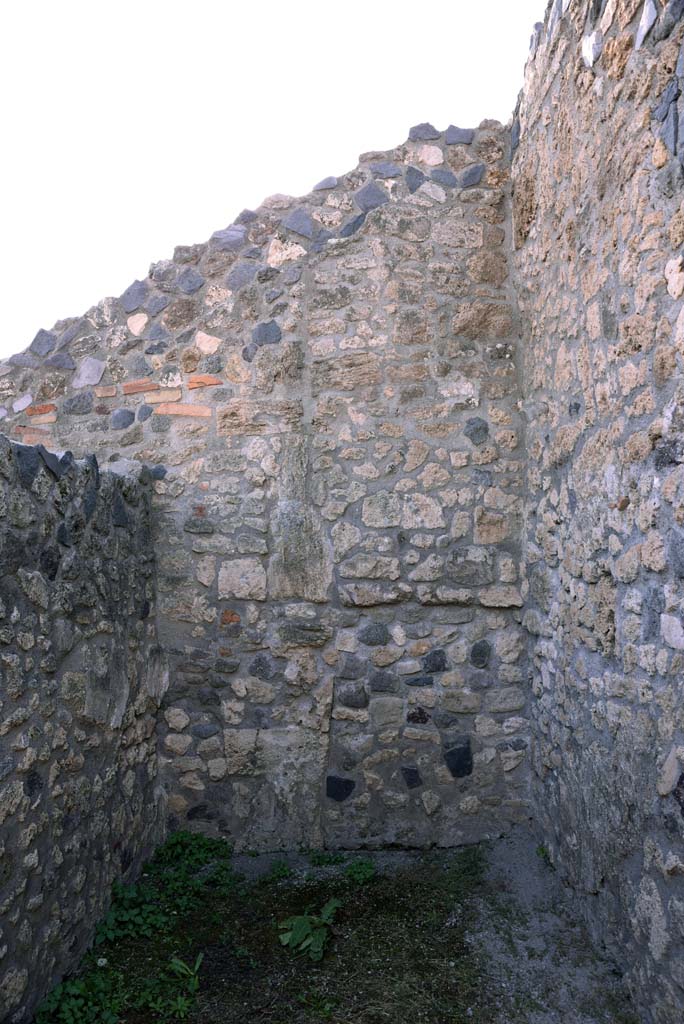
pixel 336 940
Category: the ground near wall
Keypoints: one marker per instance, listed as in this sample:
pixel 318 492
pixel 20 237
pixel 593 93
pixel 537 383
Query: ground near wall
pixel 482 934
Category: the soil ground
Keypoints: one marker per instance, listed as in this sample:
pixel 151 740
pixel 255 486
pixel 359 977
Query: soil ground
pixel 482 935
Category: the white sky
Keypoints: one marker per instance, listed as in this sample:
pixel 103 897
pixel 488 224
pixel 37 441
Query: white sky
pixel 132 126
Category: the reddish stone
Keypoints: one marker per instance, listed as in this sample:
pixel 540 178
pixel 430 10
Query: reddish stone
pixel 133 387
pixel 180 409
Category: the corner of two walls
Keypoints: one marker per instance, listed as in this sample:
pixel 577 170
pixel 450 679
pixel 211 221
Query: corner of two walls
pixel 81 682
pixel 599 231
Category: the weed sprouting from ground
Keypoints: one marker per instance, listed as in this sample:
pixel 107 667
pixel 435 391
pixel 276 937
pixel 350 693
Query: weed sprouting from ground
pixel 352 944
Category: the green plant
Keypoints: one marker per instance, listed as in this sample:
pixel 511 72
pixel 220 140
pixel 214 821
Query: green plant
pixel 544 854
pixel 134 912
pixel 309 933
pixel 93 998
pixel 280 869
pixel 360 871
pixel 187 974
pixel 321 858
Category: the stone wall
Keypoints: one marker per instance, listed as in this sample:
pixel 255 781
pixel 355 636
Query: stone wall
pixel 599 231
pixel 80 683
pixel 327 392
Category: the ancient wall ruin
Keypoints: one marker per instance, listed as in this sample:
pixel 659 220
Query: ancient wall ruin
pixel 416 472
pixel 82 679
pixel 326 392
pixel 599 230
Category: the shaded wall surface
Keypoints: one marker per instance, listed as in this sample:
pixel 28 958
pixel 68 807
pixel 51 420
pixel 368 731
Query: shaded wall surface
pixel 326 392
pixel 80 684
pixel 599 231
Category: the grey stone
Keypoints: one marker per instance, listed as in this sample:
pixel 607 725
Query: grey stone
pixel 352 694
pixel 648 18
pixel 670 128
pixel 480 654
pixel 60 361
pixel 476 430
pixel 325 184
pixel 435 661
pixel 419 681
pixel 412 776
pixel 459 758
pixel 669 94
pixel 121 418
pixel 190 281
pixel 459 136
pixel 470 567
pixel 424 132
pixel 241 274
pixel 352 226
pixel 385 169
pixel 134 296
pixel 339 789
pixel 414 179
pixel 43 343
pixel 89 372
pixel 300 222
pixel 383 682
pixel 370 197
pixel 156 303
pixel 375 635
pixel 230 239
pixel 351 667
pixel 471 175
pixel 78 405
pixel 444 177
pixel 266 333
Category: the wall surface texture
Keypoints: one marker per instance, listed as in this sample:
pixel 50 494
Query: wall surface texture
pixel 408 453
pixel 81 680
pixel 327 393
pixel 599 234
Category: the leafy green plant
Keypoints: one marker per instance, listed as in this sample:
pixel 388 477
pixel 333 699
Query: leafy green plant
pixel 187 974
pixel 93 998
pixel 308 933
pixel 544 854
pixel 321 858
pixel 134 912
pixel 360 871
pixel 280 869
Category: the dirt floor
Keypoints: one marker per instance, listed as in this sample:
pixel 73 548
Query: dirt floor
pixel 483 934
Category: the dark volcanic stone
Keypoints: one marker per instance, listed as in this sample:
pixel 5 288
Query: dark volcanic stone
pixel 242 274
pixel 476 429
pixel 339 789
pixel 414 178
pixel 119 513
pixel 267 333
pixel 411 776
pixel 352 226
pixel 375 635
pixel 419 680
pixel 230 239
pixel 301 222
pixel 305 634
pixel 670 94
pixel 480 653
pixel 459 136
pixel 418 716
pixel 444 177
pixel 190 281
pixel 471 175
pixel 435 661
pixel 134 296
pixel 122 418
pixel 325 184
pixel 351 667
pixel 459 758
pixel 156 303
pixel 370 197
pixel 29 463
pixel 383 682
pixel 670 129
pixel 43 343
pixel 423 132
pixel 262 667
pixel 52 461
pixel 61 361
pixel 351 694
pixel 385 169
pixel 78 405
